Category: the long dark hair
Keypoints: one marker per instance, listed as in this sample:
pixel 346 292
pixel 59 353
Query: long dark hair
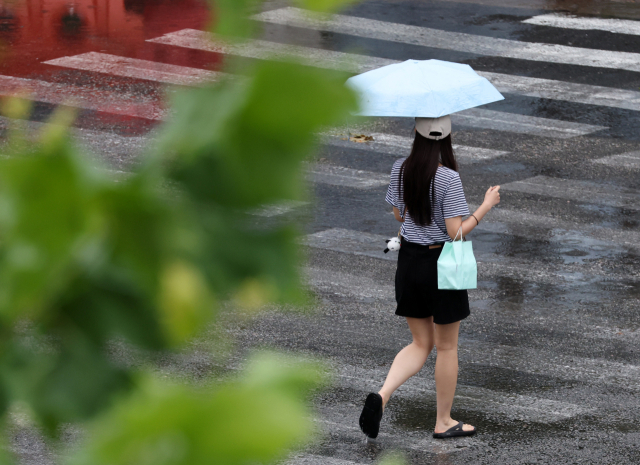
pixel 418 172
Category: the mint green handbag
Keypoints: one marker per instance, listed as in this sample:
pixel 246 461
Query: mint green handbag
pixel 457 267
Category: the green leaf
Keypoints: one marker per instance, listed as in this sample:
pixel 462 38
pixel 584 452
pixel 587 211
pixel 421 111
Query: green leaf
pixel 253 420
pixel 252 155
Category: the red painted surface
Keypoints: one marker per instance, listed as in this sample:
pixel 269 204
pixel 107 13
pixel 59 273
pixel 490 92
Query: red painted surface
pixel 34 31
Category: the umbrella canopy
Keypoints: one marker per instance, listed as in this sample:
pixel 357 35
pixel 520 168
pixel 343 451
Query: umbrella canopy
pixel 427 88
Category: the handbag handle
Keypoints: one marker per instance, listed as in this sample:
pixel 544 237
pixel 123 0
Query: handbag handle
pixel 404 212
pixel 459 232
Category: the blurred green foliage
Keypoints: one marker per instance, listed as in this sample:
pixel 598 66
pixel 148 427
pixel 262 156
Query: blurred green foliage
pixel 87 258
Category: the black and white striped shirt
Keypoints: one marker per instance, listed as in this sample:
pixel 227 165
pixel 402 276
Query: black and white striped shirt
pixel 449 203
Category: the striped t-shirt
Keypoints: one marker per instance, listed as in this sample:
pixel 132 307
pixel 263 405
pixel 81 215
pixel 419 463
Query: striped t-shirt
pixel 449 203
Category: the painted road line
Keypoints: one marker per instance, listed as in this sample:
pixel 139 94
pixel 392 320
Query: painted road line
pixel 390 436
pixel 619 26
pixel 490 265
pixel 624 160
pixel 135 68
pixel 101 143
pixel 347 285
pixel 311 459
pixel 523 359
pixel 565 91
pixel 400 146
pixel 584 236
pixel 522 124
pixel 263 50
pixel 578 191
pixel 347 177
pixel 81 97
pixel 532 87
pixel 278 209
pixel 436 38
pixel 486 401
pixel 372 245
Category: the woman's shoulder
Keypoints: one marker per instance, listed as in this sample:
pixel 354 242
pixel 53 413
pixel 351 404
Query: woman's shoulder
pixel 447 173
pixel 397 164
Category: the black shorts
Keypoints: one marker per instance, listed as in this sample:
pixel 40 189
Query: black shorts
pixel 417 292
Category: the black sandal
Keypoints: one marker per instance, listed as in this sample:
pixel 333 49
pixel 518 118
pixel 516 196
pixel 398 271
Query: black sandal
pixel 454 431
pixel 371 415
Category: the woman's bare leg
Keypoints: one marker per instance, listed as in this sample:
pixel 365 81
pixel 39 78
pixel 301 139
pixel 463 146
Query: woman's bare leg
pixel 446 339
pixel 409 360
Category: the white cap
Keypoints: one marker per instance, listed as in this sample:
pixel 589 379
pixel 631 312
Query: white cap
pixel 434 128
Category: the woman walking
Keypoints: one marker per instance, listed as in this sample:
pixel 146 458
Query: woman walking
pixel 427 197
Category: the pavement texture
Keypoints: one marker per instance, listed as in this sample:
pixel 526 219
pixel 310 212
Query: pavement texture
pixel 550 356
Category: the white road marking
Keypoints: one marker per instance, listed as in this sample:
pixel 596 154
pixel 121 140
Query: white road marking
pixel 619 26
pixel 565 91
pixel 521 359
pixel 81 97
pixel 624 160
pixel 311 459
pixel 372 245
pixel 277 209
pixel 518 223
pixel 348 177
pixel 436 38
pixel 97 142
pixel 344 284
pixel 523 124
pixel 135 68
pixel 579 191
pixel 490 403
pixel 490 265
pixel 532 87
pixel 397 439
pixel 400 146
pixel 261 49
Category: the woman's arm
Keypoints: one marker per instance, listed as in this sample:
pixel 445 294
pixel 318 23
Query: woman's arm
pixel 396 213
pixel 491 198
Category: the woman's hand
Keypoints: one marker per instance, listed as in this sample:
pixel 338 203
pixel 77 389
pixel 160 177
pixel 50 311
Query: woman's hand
pixel 492 197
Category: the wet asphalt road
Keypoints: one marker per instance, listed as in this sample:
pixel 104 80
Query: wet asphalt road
pixel 549 358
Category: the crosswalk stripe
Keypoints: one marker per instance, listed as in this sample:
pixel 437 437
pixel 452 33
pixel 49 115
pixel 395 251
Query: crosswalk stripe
pixel 345 284
pixel 390 436
pixel 624 160
pixel 487 401
pixel 278 209
pixel 97 142
pixel 135 68
pixel 348 177
pixel 436 38
pixel 396 439
pixel 503 220
pixel 579 191
pixel 522 85
pixel 525 359
pixel 77 96
pixel 490 265
pixel 620 26
pixel 400 146
pixel 523 124
pixel 261 49
pixel 565 91
pixel 312 459
pixel 372 245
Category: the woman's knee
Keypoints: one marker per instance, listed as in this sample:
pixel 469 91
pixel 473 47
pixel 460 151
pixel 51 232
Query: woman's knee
pixel 424 344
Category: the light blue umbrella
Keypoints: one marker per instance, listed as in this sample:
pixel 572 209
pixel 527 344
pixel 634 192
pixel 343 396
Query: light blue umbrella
pixel 428 88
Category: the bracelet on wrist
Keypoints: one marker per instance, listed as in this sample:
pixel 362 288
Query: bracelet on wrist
pixel 474 217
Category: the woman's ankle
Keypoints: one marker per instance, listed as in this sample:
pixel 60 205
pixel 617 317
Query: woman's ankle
pixel 444 423
pixel 385 397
